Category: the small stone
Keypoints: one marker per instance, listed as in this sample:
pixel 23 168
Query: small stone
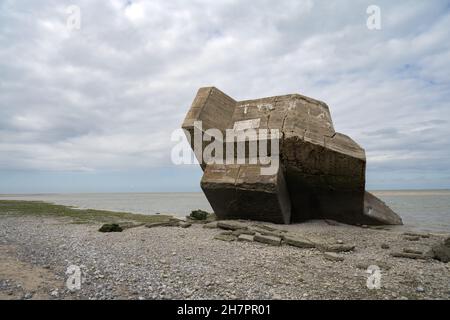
pixel 416 234
pixel 276 296
pixel 188 293
pixel 366 264
pixel 54 293
pixel 238 232
pixel 333 256
pixel 231 225
pixel 337 248
pixel 183 224
pixel 339 242
pixel 447 242
pixel 412 238
pixel 441 252
pixel 170 223
pixel 298 241
pixel 420 289
pixel 408 255
pixel 414 251
pixel 110 227
pixel 267 231
pixel 385 246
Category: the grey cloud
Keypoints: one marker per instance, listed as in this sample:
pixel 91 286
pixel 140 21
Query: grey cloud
pixel 110 94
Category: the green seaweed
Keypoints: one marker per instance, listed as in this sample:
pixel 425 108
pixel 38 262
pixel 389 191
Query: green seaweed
pixel 78 216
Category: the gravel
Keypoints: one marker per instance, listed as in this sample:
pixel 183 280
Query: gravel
pixel 187 263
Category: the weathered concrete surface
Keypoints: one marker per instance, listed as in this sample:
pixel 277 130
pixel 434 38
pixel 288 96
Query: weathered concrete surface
pixel 239 191
pixel 321 173
pixel 379 212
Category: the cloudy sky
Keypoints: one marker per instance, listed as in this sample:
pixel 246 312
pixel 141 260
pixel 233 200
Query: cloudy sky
pixel 93 109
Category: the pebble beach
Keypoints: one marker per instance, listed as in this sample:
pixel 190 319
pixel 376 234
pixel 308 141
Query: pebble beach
pixel 194 262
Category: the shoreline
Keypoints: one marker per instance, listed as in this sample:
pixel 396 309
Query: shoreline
pixel 188 263
pixel 424 213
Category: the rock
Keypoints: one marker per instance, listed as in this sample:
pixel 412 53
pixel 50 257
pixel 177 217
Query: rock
pixel 129 225
pixel 231 225
pixel 366 264
pixel 411 238
pixel 210 225
pixel 254 196
pixel 225 237
pixel 183 224
pixel 416 234
pixel 274 241
pixel 246 237
pixel 238 232
pixel 379 211
pixel 414 251
pixel 276 296
pixel 170 223
pixel 408 255
pixel 441 252
pixel 336 247
pixel 447 242
pixel 28 295
pixel 420 289
pixel 332 256
pixel 274 233
pixel 198 215
pixel 267 227
pixel 297 241
pixel 110 227
pixel 385 246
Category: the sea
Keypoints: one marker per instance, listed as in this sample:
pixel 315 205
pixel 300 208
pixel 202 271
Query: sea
pixel 422 210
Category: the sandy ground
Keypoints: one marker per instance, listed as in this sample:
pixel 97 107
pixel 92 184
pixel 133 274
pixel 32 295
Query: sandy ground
pixel 187 263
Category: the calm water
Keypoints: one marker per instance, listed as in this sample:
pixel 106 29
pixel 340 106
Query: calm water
pixel 420 209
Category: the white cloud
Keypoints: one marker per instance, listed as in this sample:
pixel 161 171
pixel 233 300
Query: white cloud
pixel 110 94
